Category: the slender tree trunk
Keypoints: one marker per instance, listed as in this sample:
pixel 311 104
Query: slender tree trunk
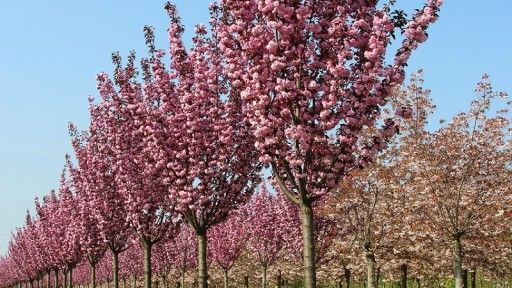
pixel 279 279
pixel 403 275
pixel 115 268
pixel 309 245
pixel 418 282
pixel 457 264
pixel 134 281
pixel 202 265
pixel 264 277
pixel 56 278
pixel 465 278
pixel 370 269
pixel 246 281
pixel 183 278
pixel 48 279
pixel 347 277
pixel 70 277
pixel 93 274
pixel 377 279
pixel 147 264
pixel 226 279
pixel 65 279
pixel 473 278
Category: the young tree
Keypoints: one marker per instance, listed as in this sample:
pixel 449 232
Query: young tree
pixel 23 252
pixel 266 239
pixel 96 159
pixel 52 234
pixel 410 241
pixel 42 238
pixel 374 202
pixel 312 76
pixel 9 273
pixel 366 202
pixel 213 160
pixel 130 264
pixel 183 252
pixel 228 240
pixel 462 174
pixel 91 240
pixel 132 115
pixel 70 218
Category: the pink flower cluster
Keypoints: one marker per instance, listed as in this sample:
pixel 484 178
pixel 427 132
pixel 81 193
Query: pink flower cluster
pixel 313 77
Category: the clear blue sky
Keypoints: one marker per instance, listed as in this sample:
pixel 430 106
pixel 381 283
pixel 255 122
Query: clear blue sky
pixel 50 52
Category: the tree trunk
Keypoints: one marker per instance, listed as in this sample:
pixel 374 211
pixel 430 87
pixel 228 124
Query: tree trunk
pixel 70 277
pixel 183 279
pixel 202 265
pixel 115 268
pixel 225 278
pixel 465 278
pixel 65 285
pixel 370 269
pixel 134 281
pixel 147 264
pixel 377 279
pixel 473 278
pixel 48 279
pixel 56 278
pixel 93 275
pixel 279 279
pixel 418 282
pixel 264 277
pixel 309 245
pixel 246 281
pixel 347 277
pixel 457 262
pixel 403 275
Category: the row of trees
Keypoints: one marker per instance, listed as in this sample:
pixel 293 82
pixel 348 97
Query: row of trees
pixel 430 201
pixel 299 87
